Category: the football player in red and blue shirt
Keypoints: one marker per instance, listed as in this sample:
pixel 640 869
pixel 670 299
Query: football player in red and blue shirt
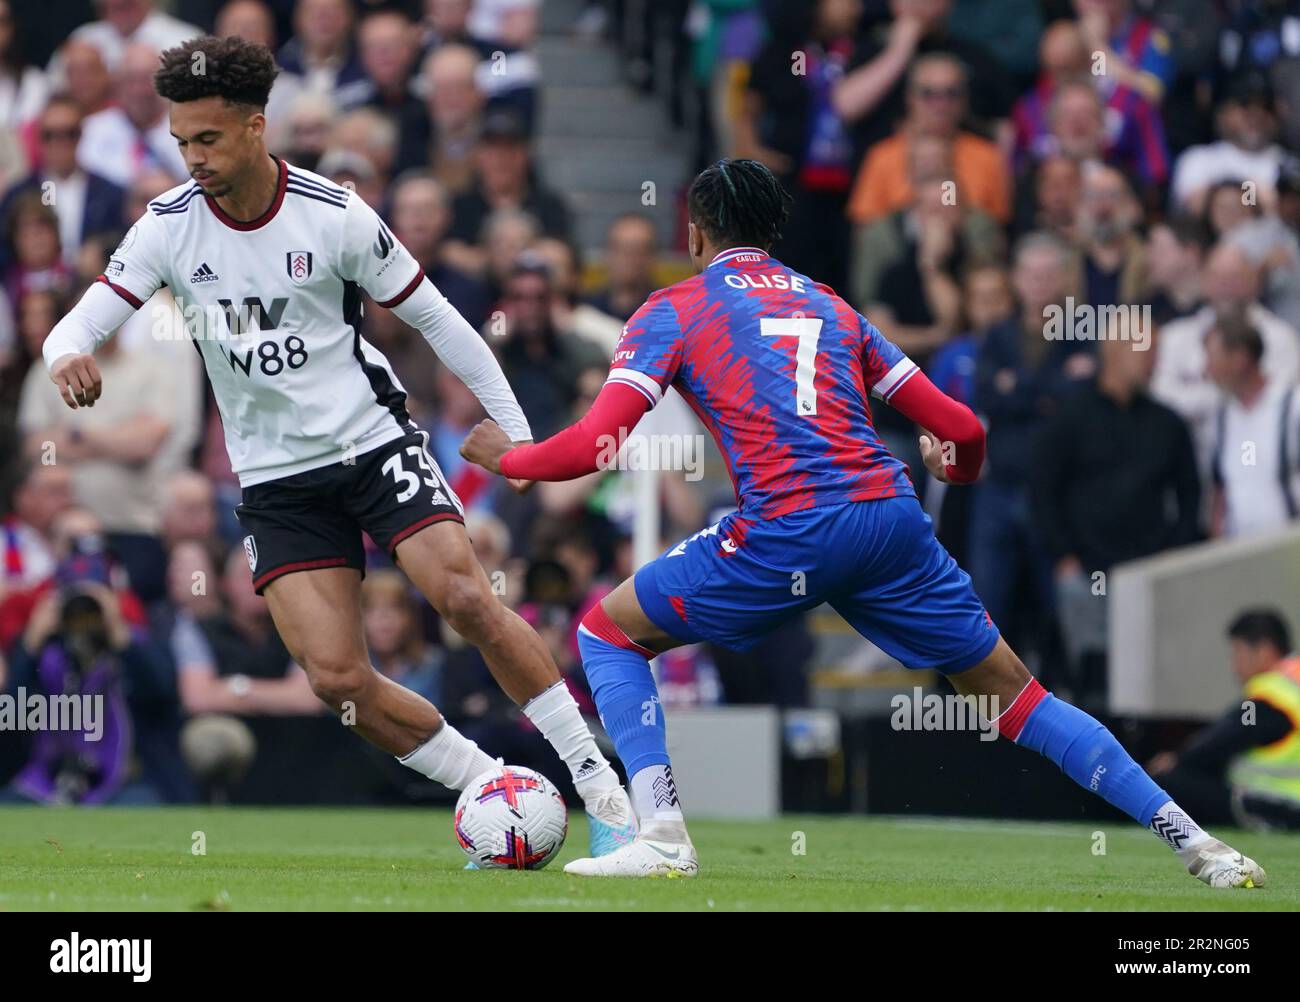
pixel 780 370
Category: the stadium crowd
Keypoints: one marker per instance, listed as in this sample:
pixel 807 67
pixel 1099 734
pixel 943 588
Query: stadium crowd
pixel 962 172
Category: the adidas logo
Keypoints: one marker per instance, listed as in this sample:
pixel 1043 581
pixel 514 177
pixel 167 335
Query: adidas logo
pixel 203 274
pixel 586 769
pixel 439 497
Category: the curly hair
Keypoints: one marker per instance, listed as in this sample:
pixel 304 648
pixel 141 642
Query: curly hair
pixel 237 71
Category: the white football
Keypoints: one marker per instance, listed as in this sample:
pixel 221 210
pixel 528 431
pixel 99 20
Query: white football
pixel 511 818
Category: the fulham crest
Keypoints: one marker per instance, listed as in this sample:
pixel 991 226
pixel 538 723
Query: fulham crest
pixel 298 264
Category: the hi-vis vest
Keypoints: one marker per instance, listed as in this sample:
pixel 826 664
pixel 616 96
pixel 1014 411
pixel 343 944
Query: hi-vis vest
pixel 1273 770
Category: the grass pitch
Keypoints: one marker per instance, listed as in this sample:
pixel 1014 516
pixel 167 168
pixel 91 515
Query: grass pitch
pixel 379 860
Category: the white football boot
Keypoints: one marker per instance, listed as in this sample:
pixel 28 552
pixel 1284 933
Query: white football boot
pixel 1219 865
pixel 610 821
pixel 660 849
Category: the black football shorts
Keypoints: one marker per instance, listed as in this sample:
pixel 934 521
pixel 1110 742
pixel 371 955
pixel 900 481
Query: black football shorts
pixel 315 519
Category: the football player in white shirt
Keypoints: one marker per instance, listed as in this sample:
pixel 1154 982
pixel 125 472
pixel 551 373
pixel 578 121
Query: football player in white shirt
pixel 268 263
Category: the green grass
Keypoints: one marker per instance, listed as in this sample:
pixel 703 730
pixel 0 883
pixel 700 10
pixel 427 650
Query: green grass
pixel 128 859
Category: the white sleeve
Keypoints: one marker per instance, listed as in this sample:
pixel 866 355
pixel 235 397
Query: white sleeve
pixel 465 353
pixel 90 323
pixel 373 258
pixel 136 270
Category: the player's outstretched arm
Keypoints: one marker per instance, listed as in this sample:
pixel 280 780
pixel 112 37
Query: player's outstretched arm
pixel 569 454
pixel 68 350
pixel 465 353
pixel 953 442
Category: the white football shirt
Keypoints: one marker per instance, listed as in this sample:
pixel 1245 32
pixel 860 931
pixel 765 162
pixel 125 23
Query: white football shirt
pixel 274 307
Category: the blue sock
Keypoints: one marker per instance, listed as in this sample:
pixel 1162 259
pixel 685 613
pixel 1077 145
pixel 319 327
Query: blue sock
pixel 1089 754
pixel 626 697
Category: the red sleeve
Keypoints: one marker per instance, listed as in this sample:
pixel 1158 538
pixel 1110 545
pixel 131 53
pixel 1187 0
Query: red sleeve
pixel 578 449
pixel 921 401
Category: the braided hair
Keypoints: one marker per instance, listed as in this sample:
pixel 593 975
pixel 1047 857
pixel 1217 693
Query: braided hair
pixel 738 203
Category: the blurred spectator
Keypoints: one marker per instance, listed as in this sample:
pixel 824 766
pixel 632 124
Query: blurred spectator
pixel 1076 122
pixel 253 21
pixel 1175 256
pixel 37 314
pixel 77 644
pixel 873 93
pixel 507 179
pixel 1274 250
pixel 69 526
pixel 421 218
pixel 1240 770
pixel 1114 480
pixel 631 250
pixel 353 170
pixel 134 134
pixel 388 47
pixel 321 51
pixel 130 22
pixel 1047 198
pixel 41 494
pixel 446 22
pixel 908 263
pixel 84 202
pixel 35 258
pixel 1256 458
pixel 568 312
pixel 988 300
pixel 116 450
pixel 936 103
pixel 370 135
pixel 1114 258
pixel 1133 66
pixel 1226 208
pixel 444 140
pixel 1193 28
pixel 23 90
pixel 1245 153
pixel 392 629
pixel 188 510
pixel 86 74
pixel 1230 284
pixel 1021 379
pixel 1138 63
pixel 509 22
pixel 790 122
pixel 250 671
pixel 307 132
pixel 507 233
pixel 1063 59
pixel 542 363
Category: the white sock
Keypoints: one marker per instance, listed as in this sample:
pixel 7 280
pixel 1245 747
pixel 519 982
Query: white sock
pixel 554 712
pixel 449 758
pixel 1178 831
pixel 654 794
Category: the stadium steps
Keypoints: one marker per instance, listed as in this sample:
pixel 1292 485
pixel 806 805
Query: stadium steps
pixel 598 140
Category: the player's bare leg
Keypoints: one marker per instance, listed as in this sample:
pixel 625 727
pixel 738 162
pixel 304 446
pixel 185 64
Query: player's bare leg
pixel 318 615
pixel 1088 753
pixel 617 639
pixel 440 561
